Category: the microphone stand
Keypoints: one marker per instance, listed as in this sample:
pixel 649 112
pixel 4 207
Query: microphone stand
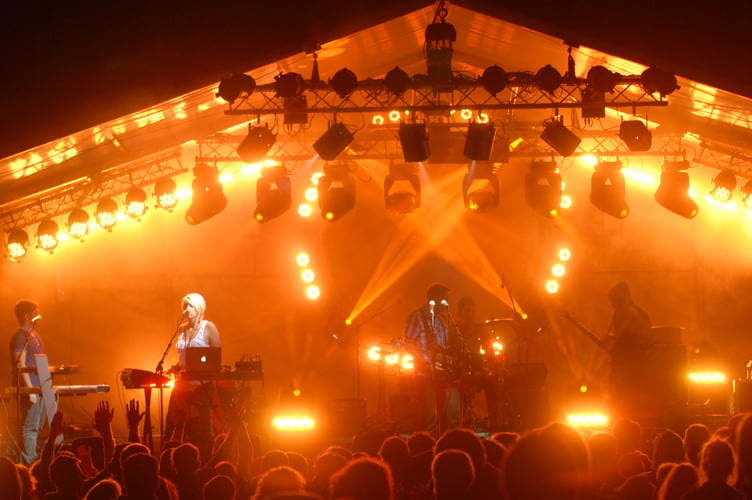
pixel 147 434
pixel 462 353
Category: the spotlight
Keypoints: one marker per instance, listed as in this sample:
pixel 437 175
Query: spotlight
pixel 344 82
pixel 480 188
pixel 479 141
pixel 635 135
pixel 47 235
pixel 607 189
pixel 601 79
pixel 543 188
pixel 333 141
pixel 106 213
pixel 336 192
pixel 254 147
pixel 414 141
pixel 723 186
pixel 548 79
pixel 18 244
pixel 402 189
pixel 673 191
pixel 656 80
pixel 273 197
pixel 78 223
pixel 135 203
pixel 559 137
pixel 397 81
pixel 493 79
pixel 237 86
pixel 207 199
pixel 439 39
pixel 289 85
pixel 164 192
pixel 747 194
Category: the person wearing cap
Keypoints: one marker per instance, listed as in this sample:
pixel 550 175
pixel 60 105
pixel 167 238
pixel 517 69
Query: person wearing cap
pixel 24 344
pixel 436 347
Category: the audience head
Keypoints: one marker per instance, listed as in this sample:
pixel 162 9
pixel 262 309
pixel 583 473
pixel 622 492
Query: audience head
pixel 10 482
pixel 628 434
pixel 185 459
pixel 465 440
pixel 140 475
pixel 681 480
pixel 106 489
pixel 277 480
pixel 636 488
pixel 66 474
pixel 131 449
pixel 166 468
pixel 695 436
pixel 452 474
pixel 669 447
pixel 418 442
pixel 494 452
pixel 219 488
pixel 298 462
pixel 273 459
pixel 363 479
pixel 718 461
pixel 505 439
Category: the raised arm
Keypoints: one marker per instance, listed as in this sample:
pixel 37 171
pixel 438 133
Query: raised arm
pixel 103 424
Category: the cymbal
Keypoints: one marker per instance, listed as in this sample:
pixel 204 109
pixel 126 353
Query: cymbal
pixel 497 321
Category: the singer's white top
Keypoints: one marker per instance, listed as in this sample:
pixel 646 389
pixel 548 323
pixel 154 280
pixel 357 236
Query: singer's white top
pixel 199 340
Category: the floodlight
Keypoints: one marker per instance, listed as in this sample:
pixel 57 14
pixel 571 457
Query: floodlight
pixel 543 187
pixel 635 135
pixel 289 85
pixel 46 238
pixel 723 186
pixel 747 194
pixel 479 141
pixel 78 223
pixel 673 191
pixel 656 80
pixel 607 189
pixel 164 192
pixel 207 199
pixel 493 79
pixel 480 188
pixel 106 213
pixel 18 244
pixel 601 79
pixel 344 82
pixel 438 50
pixel 397 81
pixel 402 189
pixel 273 193
pixel 236 86
pixel 135 203
pixel 333 141
pixel 336 192
pixel 414 141
pixel 254 147
pixel 559 137
pixel 548 79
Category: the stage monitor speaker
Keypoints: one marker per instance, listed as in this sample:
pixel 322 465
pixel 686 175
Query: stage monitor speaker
pixel 346 417
pixel 742 395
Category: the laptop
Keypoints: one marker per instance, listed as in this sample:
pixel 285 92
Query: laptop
pixel 203 359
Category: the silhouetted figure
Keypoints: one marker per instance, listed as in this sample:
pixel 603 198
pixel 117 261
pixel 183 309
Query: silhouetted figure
pixel 10 483
pixel 67 478
pixel 682 479
pixel 106 489
pixel 695 437
pixel 283 479
pixel 363 479
pixel 141 477
pixel 219 488
pixel 453 475
pixel 718 464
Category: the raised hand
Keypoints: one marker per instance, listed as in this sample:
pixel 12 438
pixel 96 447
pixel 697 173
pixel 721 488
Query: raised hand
pixel 58 424
pixel 103 417
pixel 83 453
pixel 133 413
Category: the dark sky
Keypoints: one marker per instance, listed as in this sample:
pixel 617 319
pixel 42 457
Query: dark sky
pixel 70 65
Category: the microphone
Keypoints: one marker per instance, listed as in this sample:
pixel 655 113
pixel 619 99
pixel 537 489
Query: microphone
pixel 36 318
pixel 445 303
pixel 431 305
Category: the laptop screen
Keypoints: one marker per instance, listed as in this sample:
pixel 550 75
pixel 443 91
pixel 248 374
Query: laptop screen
pixel 203 359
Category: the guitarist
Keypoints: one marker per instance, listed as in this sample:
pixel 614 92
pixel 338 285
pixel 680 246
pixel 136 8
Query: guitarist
pixel 435 347
pixel 628 343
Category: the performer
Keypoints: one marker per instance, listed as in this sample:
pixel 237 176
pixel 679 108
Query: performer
pixel 194 398
pixel 628 342
pixel 24 344
pixel 436 349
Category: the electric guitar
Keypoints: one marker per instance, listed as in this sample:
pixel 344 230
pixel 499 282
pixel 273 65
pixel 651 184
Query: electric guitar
pixel 440 359
pixel 606 344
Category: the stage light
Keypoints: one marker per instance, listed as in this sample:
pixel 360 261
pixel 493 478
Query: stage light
pixel 558 270
pixel 656 80
pixel 723 186
pixel 414 141
pixel 438 50
pixel 336 192
pixel 256 145
pixel 673 191
pixel 333 141
pixel 559 137
pixel 402 189
pixel 707 378
pixel 601 79
pixel 207 199
pixel 294 423
pixel 548 79
pixel 407 362
pixel 18 244
pixel 589 420
pixel 608 188
pixel 480 188
pixel 164 192
pixel 552 286
pixel 305 210
pixel 565 254
pixel 135 203
pixel 543 188
pixel 106 213
pixel 303 259
pixel 46 238
pixel 493 79
pixel 313 292
pixel 747 194
pixel 479 141
pixel 273 193
pixel 344 82
pixel 289 85
pixel 307 276
pixel 397 81
pixel 374 353
pixel 78 223
pixel 237 86
pixel 635 135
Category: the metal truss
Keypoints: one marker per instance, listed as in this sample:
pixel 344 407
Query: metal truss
pixel 723 159
pixel 423 97
pixel 113 182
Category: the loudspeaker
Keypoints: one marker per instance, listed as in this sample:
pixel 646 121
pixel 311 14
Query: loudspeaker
pixel 742 395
